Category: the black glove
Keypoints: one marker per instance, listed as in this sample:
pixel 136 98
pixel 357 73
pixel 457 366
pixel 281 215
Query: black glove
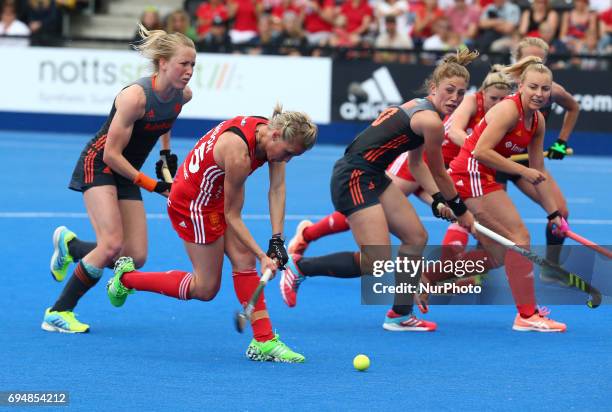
pixel 558 150
pixel 171 160
pixel 162 186
pixel 276 250
pixel 438 199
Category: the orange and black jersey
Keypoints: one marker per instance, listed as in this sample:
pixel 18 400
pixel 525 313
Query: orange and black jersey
pixel 158 119
pixel 387 137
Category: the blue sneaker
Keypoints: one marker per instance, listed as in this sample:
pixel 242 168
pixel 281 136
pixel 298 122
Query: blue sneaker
pixel 290 280
pixel 61 259
pixel 64 322
pixel 407 323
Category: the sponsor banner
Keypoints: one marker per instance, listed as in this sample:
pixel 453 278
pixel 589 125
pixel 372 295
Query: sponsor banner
pixel 83 81
pixel 361 91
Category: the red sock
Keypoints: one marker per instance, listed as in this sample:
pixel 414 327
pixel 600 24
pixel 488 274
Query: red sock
pixel 519 271
pixel 456 236
pixel 334 223
pixel 173 283
pixel 245 284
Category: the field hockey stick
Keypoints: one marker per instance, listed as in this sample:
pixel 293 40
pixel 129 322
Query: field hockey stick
pixel 525 156
pixel 241 318
pixel 588 243
pixel 165 170
pixel 573 279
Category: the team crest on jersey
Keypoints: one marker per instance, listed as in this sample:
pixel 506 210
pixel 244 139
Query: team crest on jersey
pixel 215 221
pixel 508 145
pixel 371 186
pixel 177 108
pixel 150 114
pixel 243 122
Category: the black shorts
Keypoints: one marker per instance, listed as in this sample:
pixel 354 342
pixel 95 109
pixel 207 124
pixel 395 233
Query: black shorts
pixel 354 187
pixel 94 172
pixel 503 178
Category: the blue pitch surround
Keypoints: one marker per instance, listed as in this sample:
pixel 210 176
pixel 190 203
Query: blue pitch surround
pixel 158 353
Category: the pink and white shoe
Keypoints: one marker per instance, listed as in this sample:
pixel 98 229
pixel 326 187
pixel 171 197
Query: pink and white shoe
pixel 538 322
pixel 290 280
pixel 297 244
pixel 407 323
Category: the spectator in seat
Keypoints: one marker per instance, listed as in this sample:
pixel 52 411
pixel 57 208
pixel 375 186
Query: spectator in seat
pixel 497 23
pixel 206 12
pixel 179 21
pixel 425 17
pixel 539 12
pixel 391 38
pixel 10 26
pixel 150 20
pixel 245 14
pixel 605 30
pixel 319 18
pixel 359 15
pixel 293 41
pixel 43 21
pixel 576 23
pixel 216 40
pixel 463 19
pixel 268 39
pixel 397 9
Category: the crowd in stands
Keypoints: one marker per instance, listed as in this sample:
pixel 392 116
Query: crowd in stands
pixel 385 30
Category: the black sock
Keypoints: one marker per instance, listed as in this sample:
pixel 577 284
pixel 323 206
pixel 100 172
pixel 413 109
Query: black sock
pixel 79 248
pixel 403 302
pixel 337 265
pixel 78 284
pixel 553 245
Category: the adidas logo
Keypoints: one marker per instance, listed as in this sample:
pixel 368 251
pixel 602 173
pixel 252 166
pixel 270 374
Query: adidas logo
pixel 182 224
pixel 367 99
pixel 459 183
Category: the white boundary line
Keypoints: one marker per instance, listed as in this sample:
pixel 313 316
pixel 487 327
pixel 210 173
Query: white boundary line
pixel 158 216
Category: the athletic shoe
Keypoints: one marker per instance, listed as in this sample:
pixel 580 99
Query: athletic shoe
pixel 273 350
pixel 64 322
pixel 538 322
pixel 117 293
pixel 407 323
pixel 290 281
pixel 297 244
pixel 61 259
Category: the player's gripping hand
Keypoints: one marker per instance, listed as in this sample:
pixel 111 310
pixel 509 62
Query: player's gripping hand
pixel 276 250
pixel 533 176
pixel 440 208
pixel 171 161
pixel 163 188
pixel 560 225
pixel 558 150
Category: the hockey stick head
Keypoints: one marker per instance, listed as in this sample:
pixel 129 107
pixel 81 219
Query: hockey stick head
pixel 240 321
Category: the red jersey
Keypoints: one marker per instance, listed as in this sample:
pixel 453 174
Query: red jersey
pixel 514 142
pixel 449 149
pixel 198 184
pixel 355 14
pixel 313 22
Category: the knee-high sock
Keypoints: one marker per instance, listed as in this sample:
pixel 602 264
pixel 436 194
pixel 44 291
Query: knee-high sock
pixel 79 248
pixel 334 223
pixel 403 302
pixel 455 240
pixel 554 245
pixel 83 278
pixel 245 284
pixel 519 271
pixel 173 283
pixel 337 265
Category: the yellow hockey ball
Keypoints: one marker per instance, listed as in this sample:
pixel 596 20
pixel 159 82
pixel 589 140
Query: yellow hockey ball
pixel 361 362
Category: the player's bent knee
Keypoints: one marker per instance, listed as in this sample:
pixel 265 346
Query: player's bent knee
pixel 205 293
pixel 110 250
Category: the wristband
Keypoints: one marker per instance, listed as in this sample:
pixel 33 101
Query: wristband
pixel 145 182
pixel 553 215
pixel 457 206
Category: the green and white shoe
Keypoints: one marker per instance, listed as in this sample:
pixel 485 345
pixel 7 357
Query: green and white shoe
pixel 61 259
pixel 64 322
pixel 273 350
pixel 117 293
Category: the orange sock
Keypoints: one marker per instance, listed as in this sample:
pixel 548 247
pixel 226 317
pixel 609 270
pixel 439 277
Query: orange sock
pixel 245 284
